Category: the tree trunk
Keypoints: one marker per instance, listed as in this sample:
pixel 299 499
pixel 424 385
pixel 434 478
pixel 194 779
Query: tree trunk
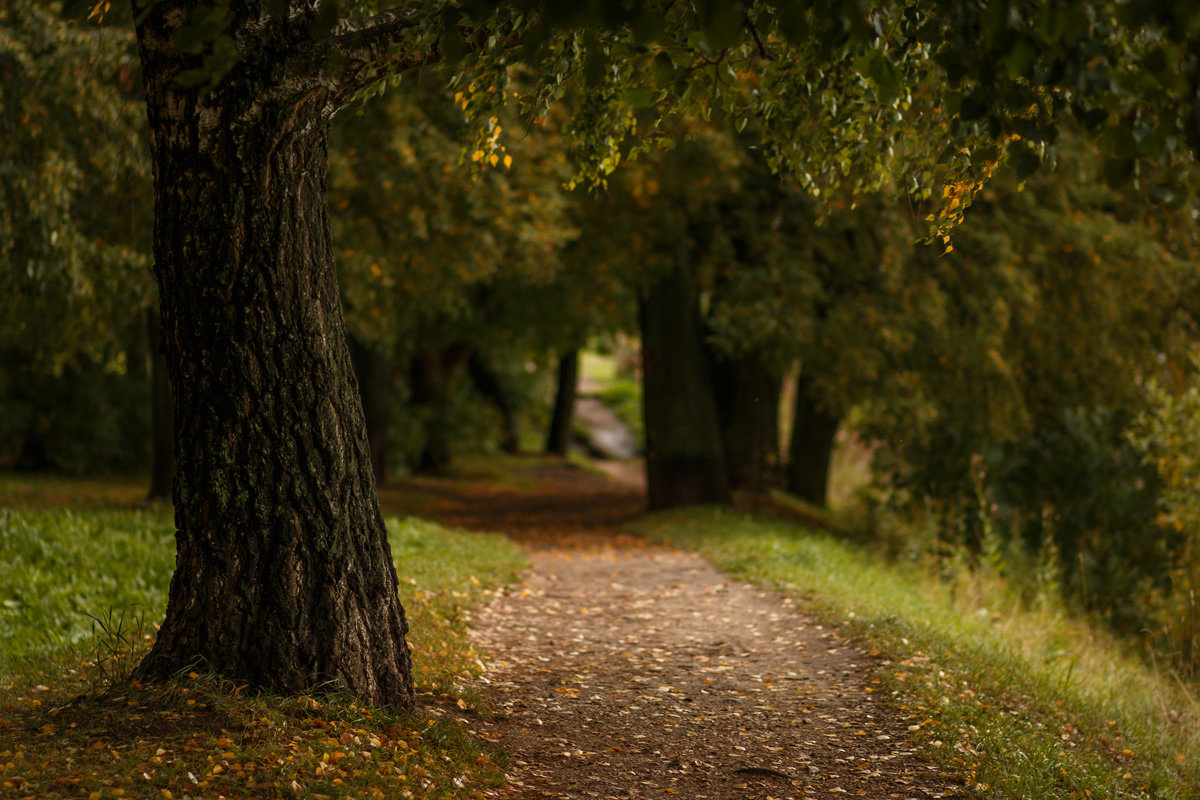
pixel 491 387
pixel 684 461
pixel 558 440
pixel 748 403
pixel 162 445
pixel 284 578
pixel 376 381
pixel 432 370
pixel 811 450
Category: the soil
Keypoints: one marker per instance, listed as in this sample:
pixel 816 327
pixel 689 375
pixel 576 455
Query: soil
pixel 620 669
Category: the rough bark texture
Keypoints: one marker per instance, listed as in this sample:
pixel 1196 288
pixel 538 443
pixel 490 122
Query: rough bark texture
pixel 813 432
pixel 748 403
pixel 684 460
pixel 558 440
pixel 284 578
pixel 377 383
pixel 162 437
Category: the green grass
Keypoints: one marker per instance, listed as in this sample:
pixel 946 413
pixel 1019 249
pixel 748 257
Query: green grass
pixel 1018 698
pixel 73 726
pixel 444 574
pixel 60 571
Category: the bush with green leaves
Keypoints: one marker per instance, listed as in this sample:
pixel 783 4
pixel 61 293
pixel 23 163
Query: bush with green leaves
pixel 81 418
pixel 1168 435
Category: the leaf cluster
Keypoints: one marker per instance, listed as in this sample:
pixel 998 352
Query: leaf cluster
pixel 74 185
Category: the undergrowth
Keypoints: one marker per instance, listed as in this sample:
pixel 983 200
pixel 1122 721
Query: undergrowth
pixel 1018 697
pixel 73 725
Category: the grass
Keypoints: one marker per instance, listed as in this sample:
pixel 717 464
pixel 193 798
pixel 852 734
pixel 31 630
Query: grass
pixel 63 571
pixel 1018 698
pixel 73 726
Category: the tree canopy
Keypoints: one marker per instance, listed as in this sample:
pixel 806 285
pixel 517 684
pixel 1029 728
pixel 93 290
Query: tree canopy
pixel 284 577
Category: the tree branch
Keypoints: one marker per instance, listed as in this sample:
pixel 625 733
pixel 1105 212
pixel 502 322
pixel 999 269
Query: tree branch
pixel 366 46
pixel 367 40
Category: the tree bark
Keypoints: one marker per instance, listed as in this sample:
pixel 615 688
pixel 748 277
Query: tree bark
pixel 376 381
pixel 811 449
pixel 284 578
pixel 558 440
pixel 748 403
pixel 685 464
pixel 162 446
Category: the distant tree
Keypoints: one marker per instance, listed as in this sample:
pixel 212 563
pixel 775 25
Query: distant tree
pixel 432 248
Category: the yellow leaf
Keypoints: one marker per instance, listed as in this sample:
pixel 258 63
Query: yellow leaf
pixel 507 161
pixel 478 155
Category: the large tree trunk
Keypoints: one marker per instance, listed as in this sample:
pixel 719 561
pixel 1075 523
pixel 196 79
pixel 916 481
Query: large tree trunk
pixel 162 435
pixel 684 460
pixel 284 578
pixel 377 384
pixel 813 431
pixel 748 403
pixel 558 440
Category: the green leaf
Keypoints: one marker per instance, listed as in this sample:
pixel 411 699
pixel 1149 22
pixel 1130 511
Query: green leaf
pixel 639 97
pixel 886 77
pixel 663 69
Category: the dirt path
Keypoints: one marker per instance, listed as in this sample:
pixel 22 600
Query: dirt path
pixel 625 670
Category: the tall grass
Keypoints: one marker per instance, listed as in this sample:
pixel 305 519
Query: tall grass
pixel 1013 692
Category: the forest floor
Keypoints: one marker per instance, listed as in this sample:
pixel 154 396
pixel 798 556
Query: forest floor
pixel 623 669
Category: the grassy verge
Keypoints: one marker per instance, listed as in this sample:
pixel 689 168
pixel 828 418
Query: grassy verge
pixel 73 726
pixel 1020 700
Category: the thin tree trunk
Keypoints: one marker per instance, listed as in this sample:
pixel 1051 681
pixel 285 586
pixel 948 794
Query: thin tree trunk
pixel 813 432
pixel 284 578
pixel 162 446
pixel 432 370
pixel 748 402
pixel 376 381
pixel 558 440
pixel 684 460
pixel 492 387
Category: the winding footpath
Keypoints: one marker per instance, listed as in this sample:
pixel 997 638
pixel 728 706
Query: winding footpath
pixel 625 670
